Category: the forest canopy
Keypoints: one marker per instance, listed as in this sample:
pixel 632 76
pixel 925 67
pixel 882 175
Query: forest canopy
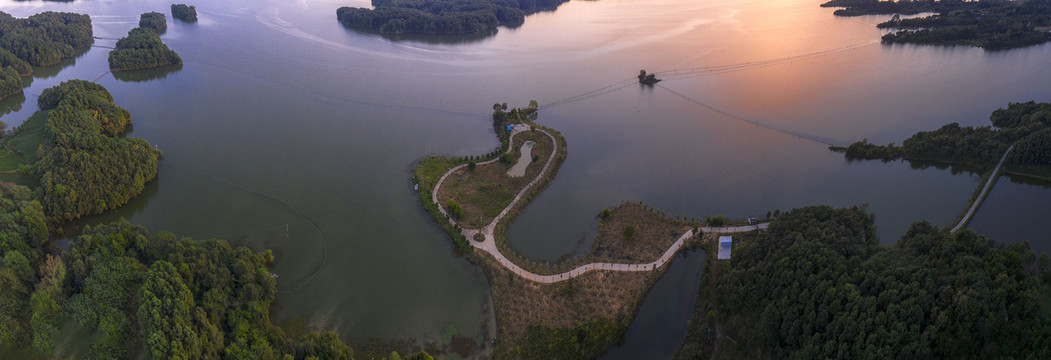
pixel 87 166
pixel 43 39
pixel 186 13
pixel 439 17
pixel 10 82
pixel 141 49
pixel 817 284
pixel 989 24
pixel 153 20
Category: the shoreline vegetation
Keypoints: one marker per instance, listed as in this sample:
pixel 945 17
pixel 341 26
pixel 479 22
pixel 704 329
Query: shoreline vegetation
pixel 578 318
pixel 988 24
pixel 143 48
pixel 138 294
pixel 185 13
pixel 437 17
pixel 837 293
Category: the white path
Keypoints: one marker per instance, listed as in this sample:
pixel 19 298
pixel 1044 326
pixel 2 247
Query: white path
pixel 489 244
pixel 981 196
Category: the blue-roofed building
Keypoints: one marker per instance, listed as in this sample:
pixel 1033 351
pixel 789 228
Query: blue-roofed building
pixel 725 243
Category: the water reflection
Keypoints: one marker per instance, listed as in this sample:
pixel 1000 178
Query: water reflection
pixel 14 102
pixel 147 74
pixel 46 72
pixel 664 315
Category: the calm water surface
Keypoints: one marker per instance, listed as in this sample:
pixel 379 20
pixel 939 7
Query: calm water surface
pixel 277 97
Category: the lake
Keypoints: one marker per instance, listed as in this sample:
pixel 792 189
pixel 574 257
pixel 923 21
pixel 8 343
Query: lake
pixel 280 115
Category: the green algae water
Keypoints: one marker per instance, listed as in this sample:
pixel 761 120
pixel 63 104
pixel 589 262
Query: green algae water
pixel 284 130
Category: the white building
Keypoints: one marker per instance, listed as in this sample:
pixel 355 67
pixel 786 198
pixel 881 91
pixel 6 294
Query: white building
pixel 725 243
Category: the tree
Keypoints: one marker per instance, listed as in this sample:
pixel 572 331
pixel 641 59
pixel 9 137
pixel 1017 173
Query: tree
pixel 184 12
pixel 629 232
pixel 604 214
pixel 455 210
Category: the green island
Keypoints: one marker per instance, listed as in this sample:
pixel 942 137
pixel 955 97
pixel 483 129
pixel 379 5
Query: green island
pixel 185 13
pixel 978 148
pixel 43 39
pixel 988 24
pixel 139 294
pixel 575 308
pixel 817 284
pixel 141 49
pixel 438 17
pixel 153 20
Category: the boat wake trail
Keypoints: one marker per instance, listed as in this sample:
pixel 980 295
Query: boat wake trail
pixel 728 68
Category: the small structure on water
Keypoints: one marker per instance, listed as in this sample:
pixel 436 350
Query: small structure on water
pixel 725 243
pixel 649 79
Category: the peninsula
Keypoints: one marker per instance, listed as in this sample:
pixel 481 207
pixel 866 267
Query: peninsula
pixel 988 24
pixel 571 309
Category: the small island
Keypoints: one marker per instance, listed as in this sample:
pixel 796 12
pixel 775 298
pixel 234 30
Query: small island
pixel 43 39
pixel 988 24
pixel 648 79
pixel 141 49
pixel 153 20
pixel 184 13
pixel 437 17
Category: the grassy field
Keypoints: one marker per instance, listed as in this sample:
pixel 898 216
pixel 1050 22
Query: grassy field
pixel 604 297
pixel 1035 172
pixel 485 191
pixel 652 236
pixel 27 138
pixel 21 148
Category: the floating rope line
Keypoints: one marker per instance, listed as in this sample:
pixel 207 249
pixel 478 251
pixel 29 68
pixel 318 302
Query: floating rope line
pixel 750 121
pixel 321 235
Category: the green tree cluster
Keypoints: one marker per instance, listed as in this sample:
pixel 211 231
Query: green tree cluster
pixel 587 340
pixel 154 21
pixel 186 13
pixel 141 49
pixel 27 306
pixel 43 39
pixel 10 60
pixel 974 147
pixel 439 17
pixel 87 166
pixel 818 285
pixel 10 82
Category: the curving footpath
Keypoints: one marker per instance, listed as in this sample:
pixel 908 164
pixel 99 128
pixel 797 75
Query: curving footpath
pixel 981 196
pixel 489 244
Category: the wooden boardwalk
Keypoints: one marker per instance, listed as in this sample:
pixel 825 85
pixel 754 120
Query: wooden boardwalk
pixel 489 243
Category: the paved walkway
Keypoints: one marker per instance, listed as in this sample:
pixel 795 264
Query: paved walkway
pixel 981 196
pixel 489 244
